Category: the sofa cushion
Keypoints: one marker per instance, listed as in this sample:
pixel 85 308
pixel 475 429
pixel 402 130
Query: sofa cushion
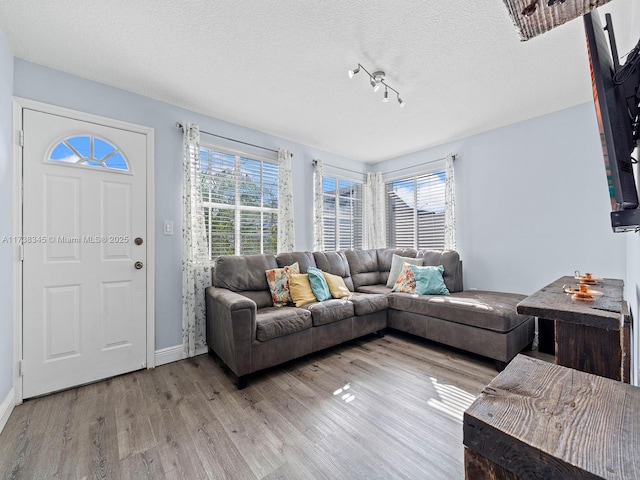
pixel 318 284
pixel 397 263
pixel 365 303
pixel 364 267
pixel 336 264
pixel 381 289
pixel 273 322
pixel 489 310
pixel 385 259
pixel 450 260
pixel 243 272
pixel 300 289
pixel 304 260
pixel 278 281
pixel 330 311
pixel 429 280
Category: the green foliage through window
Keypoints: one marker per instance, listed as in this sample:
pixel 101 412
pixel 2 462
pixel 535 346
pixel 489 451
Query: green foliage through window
pixel 240 197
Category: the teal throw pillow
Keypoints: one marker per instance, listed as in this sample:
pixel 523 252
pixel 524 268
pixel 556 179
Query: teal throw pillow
pixel 319 285
pixel 429 280
pixel 396 267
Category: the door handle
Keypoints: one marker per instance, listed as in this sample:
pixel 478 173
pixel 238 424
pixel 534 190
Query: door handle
pixel 138 265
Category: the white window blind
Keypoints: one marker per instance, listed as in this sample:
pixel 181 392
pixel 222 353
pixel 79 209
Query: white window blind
pixel 240 199
pixel 342 213
pixel 415 211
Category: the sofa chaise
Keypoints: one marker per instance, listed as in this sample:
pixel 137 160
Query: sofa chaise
pixel 248 333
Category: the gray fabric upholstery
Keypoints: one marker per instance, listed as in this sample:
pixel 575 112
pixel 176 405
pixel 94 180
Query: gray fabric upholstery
pixel 336 264
pixel 488 343
pixel 364 267
pixel 261 297
pixel 249 334
pixel 381 289
pixel 304 259
pixel 244 272
pixel 450 260
pixel 273 322
pixel 330 311
pixel 368 303
pixel 488 310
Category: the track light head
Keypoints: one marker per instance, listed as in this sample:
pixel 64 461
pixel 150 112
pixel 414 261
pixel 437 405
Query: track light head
pixel 400 101
pixel 354 71
pixel 386 94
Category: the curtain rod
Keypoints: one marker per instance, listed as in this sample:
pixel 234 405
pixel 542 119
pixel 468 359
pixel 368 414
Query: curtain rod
pixel 313 162
pixel 179 125
pixel 418 165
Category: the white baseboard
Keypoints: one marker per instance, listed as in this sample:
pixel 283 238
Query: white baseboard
pixel 175 353
pixel 6 407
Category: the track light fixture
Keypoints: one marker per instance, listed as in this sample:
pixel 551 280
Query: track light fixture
pixel 376 79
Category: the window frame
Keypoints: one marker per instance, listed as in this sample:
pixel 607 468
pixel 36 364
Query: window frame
pixel 238 207
pixel 336 217
pixel 420 240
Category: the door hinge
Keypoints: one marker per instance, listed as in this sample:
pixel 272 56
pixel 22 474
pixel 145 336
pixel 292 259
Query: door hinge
pixel 21 368
pixel 22 252
pixel 21 138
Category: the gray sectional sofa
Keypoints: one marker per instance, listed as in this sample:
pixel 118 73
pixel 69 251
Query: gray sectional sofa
pixel 248 333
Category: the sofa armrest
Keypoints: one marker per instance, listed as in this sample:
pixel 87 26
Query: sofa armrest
pixel 231 327
pixel 228 299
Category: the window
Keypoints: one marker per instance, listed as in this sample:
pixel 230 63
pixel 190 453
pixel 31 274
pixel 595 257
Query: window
pixel 415 211
pixel 342 213
pixel 240 200
pixel 89 151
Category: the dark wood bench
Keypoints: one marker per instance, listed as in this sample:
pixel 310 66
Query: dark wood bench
pixel 537 420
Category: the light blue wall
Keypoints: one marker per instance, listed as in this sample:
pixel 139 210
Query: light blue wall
pixel 531 202
pixel 633 249
pixel 54 87
pixel 6 220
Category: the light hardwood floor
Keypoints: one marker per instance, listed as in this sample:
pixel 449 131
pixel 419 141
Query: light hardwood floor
pixel 371 408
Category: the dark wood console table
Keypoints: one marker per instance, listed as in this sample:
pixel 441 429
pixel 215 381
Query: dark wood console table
pixel 592 336
pixel 537 420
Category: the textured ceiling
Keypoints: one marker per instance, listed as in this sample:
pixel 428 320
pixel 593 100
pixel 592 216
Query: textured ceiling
pixel 280 66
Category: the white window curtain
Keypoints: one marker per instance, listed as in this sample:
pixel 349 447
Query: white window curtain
pixel 286 227
pixel 318 201
pixel 196 268
pixel 375 235
pixel 449 205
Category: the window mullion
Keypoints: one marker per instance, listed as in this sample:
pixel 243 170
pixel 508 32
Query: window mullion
pixel 238 204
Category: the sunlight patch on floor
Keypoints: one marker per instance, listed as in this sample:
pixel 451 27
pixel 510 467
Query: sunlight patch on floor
pixel 348 397
pixel 452 400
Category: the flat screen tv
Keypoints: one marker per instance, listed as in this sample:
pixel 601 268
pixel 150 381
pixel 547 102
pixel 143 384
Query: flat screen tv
pixel 616 90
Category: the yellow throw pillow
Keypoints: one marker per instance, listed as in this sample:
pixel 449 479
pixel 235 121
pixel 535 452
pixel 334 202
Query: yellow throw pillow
pixel 300 289
pixel 337 286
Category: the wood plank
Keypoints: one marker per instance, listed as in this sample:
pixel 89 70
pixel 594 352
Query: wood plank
pixel 588 349
pixel 537 419
pixel 187 420
pixel 552 303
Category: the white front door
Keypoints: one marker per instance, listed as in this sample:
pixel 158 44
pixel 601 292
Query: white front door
pixel 84 269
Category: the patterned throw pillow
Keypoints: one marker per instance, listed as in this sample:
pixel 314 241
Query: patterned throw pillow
pixel 396 267
pixel 278 280
pixel 406 282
